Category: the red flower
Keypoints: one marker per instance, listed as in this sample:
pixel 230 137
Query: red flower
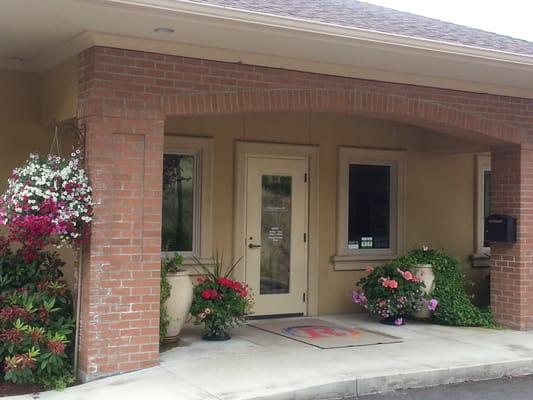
pixel 11 335
pixel 9 314
pixel 210 294
pixel 56 346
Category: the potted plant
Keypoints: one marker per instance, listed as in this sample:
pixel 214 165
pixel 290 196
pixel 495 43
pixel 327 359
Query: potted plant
pixel 391 293
pixel 219 303
pixel 424 272
pixel 176 297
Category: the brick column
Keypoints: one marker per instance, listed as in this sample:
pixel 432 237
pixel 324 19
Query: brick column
pixel 119 329
pixel 512 264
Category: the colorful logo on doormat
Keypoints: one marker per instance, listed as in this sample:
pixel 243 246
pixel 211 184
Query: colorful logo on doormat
pixel 319 331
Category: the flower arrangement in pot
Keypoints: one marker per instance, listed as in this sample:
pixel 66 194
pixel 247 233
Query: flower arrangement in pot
pixel 48 202
pixel 219 303
pixel 391 293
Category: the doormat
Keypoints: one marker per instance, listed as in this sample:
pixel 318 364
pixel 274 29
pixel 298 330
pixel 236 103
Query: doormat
pixel 323 334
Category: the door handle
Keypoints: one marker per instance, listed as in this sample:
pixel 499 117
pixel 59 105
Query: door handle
pixel 253 246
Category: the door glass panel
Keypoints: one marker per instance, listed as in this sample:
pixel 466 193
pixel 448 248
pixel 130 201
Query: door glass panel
pixel 178 202
pixel 276 198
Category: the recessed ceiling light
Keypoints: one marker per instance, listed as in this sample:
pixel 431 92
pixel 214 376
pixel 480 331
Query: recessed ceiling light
pixel 164 30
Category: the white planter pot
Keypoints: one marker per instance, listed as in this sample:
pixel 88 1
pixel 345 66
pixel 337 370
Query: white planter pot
pixel 179 303
pixel 425 273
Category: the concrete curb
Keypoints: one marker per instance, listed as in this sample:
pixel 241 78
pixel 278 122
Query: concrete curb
pixel 367 385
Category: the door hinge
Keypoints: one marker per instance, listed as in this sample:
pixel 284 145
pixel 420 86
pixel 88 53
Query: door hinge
pixel 303 297
pixel 305 177
pixel 305 237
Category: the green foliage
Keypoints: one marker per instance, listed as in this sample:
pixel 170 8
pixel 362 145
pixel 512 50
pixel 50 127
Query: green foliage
pixel 455 306
pixel 168 265
pixel 36 325
pixel 172 264
pixel 219 303
pixel 390 291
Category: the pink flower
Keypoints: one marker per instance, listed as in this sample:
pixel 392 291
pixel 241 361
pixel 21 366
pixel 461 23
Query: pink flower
pixel 209 294
pixel 407 275
pixel 432 304
pixel 369 269
pixel 358 297
pixel 388 282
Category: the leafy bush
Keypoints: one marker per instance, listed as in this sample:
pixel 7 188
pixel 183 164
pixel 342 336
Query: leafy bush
pixel 455 306
pixel 36 325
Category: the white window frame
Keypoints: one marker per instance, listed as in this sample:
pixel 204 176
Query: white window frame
pixel 351 259
pixel 202 149
pixel 482 165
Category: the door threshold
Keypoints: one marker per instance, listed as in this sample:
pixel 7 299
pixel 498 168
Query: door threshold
pixel 273 316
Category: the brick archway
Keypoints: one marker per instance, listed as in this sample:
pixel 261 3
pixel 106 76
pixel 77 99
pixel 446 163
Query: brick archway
pixel 412 110
pixel 124 96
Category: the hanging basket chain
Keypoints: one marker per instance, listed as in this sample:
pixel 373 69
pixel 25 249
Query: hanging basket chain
pixel 55 141
pixel 72 126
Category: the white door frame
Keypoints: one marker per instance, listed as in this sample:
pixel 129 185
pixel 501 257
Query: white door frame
pixel 243 150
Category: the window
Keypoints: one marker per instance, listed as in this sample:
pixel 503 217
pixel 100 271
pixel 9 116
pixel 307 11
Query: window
pixel 179 202
pixel 186 214
pixel 483 202
pixel 370 206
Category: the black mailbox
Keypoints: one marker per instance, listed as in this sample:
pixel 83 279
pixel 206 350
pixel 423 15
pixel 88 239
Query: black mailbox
pixel 500 228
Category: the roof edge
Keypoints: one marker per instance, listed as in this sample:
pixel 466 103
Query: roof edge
pixel 272 20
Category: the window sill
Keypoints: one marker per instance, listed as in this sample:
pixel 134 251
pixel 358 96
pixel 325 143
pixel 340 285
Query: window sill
pixel 480 260
pixel 359 262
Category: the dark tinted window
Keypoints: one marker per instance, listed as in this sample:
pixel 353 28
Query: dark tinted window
pixel 369 198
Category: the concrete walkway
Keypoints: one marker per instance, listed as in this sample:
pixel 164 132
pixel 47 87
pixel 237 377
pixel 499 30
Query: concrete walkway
pixel 259 365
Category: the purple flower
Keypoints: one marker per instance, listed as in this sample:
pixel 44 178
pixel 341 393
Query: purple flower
pixel 358 298
pixel 432 304
pixel 398 321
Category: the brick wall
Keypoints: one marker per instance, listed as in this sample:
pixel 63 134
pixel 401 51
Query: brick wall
pixel 123 98
pixel 512 265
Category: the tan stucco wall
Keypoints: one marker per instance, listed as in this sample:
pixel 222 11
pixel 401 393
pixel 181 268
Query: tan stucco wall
pixel 28 102
pixel 59 92
pixel 440 183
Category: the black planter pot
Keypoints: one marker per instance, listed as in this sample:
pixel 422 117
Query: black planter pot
pixel 216 337
pixel 392 320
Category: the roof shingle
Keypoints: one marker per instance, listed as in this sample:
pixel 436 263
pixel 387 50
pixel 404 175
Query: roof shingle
pixel 358 14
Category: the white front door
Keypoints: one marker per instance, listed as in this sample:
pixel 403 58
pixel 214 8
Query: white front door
pixel 275 260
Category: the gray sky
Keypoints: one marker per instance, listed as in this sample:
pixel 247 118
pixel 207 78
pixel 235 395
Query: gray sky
pixel 509 17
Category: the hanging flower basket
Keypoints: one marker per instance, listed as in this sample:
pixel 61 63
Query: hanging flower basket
pixel 48 201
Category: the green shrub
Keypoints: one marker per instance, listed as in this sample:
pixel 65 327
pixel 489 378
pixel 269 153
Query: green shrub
pixel 36 325
pixel 455 305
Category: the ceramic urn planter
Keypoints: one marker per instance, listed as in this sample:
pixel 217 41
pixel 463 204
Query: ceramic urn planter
pixel 179 303
pixel 426 275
